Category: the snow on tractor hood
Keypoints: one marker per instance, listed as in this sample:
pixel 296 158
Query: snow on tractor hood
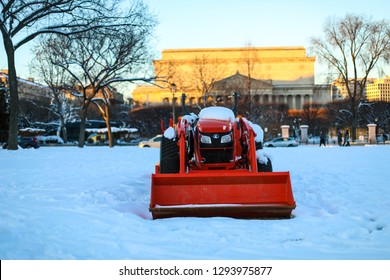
pixel 227 115
pixel 215 119
pixel 217 113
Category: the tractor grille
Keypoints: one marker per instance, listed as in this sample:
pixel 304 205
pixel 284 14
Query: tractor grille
pixel 214 151
pixel 217 155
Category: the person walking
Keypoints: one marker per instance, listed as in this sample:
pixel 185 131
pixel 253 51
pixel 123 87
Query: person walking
pixel 322 139
pixel 384 137
pixel 339 138
pixel 346 138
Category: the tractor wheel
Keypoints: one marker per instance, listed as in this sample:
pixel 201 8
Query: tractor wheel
pixel 169 156
pixel 264 167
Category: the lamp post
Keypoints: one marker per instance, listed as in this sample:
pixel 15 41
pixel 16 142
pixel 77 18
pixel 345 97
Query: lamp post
pixel 173 90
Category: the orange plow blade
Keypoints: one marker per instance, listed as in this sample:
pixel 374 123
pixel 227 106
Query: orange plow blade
pixel 222 193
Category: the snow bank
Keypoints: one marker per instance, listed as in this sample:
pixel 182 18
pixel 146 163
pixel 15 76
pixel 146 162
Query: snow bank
pixel 30 129
pixel 113 130
pixel 217 113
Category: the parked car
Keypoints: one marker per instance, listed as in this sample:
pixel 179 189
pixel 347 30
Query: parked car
pixel 25 143
pixel 96 138
pixel 281 142
pixel 154 142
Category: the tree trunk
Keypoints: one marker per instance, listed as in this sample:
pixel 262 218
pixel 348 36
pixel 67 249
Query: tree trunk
pixel 354 112
pixel 83 119
pixel 108 124
pixel 63 130
pixel 14 97
pixel 354 127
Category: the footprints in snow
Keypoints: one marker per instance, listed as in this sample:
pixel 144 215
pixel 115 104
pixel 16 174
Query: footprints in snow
pixel 377 227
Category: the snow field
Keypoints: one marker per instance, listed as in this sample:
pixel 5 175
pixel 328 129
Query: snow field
pixel 92 203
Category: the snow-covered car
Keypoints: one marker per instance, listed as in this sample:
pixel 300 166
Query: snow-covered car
pixel 51 139
pixel 154 142
pixel 25 143
pixel 281 142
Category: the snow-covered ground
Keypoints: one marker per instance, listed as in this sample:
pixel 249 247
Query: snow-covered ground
pixel 92 203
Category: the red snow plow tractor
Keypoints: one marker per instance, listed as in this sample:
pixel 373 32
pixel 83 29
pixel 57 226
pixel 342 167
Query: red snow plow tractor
pixel 213 165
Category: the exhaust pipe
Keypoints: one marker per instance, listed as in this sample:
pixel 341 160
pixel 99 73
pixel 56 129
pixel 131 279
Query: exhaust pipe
pixel 183 104
pixel 234 109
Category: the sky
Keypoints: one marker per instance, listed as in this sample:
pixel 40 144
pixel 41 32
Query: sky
pixel 233 23
pixel 260 23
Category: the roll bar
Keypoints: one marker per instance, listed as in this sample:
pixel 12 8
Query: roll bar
pixel 185 109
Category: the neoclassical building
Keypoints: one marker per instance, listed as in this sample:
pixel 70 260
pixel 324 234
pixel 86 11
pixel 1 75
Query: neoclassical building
pixel 267 75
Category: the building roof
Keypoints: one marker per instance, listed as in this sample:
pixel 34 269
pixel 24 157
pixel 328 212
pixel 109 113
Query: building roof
pixel 239 80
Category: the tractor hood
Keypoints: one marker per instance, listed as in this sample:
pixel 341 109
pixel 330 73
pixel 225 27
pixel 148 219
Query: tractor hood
pixel 215 119
pixel 214 126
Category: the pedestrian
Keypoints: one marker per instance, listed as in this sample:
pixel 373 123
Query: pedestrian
pixel 384 137
pixel 346 138
pixel 322 139
pixel 339 138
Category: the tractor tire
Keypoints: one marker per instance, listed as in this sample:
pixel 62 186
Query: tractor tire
pixel 169 156
pixel 264 167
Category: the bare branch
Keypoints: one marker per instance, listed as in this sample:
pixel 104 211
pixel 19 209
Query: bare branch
pixel 354 45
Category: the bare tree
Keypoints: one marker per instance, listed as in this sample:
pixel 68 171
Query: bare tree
pixel 354 46
pixel 23 20
pixel 249 57
pixel 269 116
pixel 312 115
pixel 338 114
pixel 62 105
pixel 205 72
pixel 375 113
pixel 97 60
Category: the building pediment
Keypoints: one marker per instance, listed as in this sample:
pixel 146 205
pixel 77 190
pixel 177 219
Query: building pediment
pixel 241 81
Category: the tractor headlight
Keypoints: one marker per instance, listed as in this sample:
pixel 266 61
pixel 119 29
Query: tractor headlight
pixel 205 139
pixel 226 138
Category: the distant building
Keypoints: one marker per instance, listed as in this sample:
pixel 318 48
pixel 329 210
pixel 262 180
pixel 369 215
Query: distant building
pixel 339 88
pixel 260 90
pixel 268 75
pixel 379 90
pixel 27 89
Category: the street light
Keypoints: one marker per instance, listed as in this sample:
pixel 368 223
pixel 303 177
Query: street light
pixel 173 90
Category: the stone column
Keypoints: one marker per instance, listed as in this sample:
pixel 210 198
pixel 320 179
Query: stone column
pixel 294 103
pixel 304 137
pixel 372 133
pixel 285 131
